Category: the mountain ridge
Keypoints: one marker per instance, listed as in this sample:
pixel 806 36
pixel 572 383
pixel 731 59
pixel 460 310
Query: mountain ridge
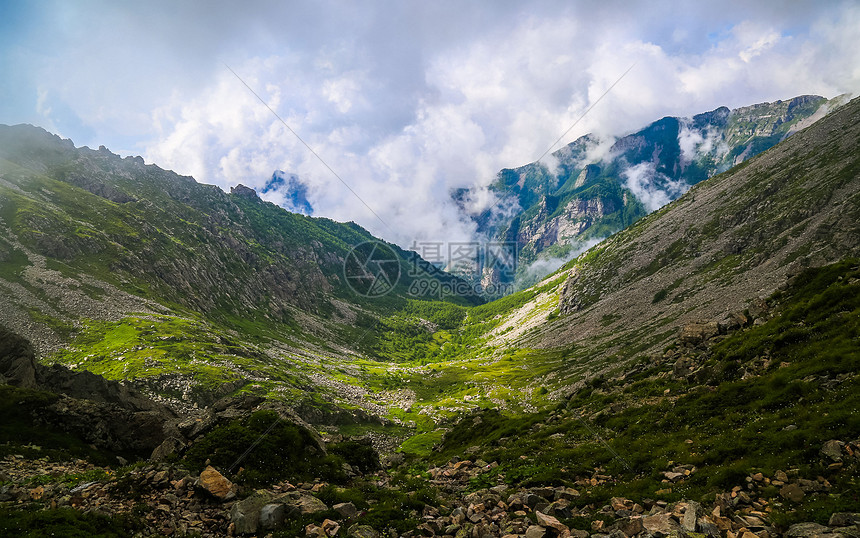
pixel 637 174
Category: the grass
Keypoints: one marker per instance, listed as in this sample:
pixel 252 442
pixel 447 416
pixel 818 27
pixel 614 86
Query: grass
pixel 262 450
pixel 725 425
pixel 32 522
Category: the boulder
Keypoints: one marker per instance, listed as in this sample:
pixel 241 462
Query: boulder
pixel 844 519
pixel 17 360
pixel 362 531
pixel 216 484
pixel 346 510
pixel 792 492
pixel 630 526
pixel 272 516
pixel 698 333
pixel 690 516
pixel 302 503
pixel 548 521
pixel 245 514
pixel 806 530
pixel 330 528
pixel 660 524
pixel 171 445
pixel 833 450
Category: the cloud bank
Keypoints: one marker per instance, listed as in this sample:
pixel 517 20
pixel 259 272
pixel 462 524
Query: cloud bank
pixel 407 102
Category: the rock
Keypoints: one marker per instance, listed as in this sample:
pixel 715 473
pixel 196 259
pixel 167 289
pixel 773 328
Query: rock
pixel 346 510
pixel 548 521
pixel 330 528
pixel 659 524
pixel 791 492
pixel 618 503
pixel 708 528
pixel 171 445
pixel 246 513
pixel 272 516
pixel 559 509
pixel 674 477
pixel 697 333
pixel 844 519
pixel 216 485
pixel 690 516
pixel 362 531
pixel 393 460
pixel 531 500
pixel 566 493
pixel 806 530
pixel 534 531
pixel 630 526
pixel 17 360
pixel 833 449
pixel 244 192
pixel 302 503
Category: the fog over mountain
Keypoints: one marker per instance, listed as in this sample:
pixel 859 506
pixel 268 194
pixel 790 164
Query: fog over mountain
pixel 405 101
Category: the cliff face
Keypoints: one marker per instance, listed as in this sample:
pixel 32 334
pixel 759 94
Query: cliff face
pixel 592 194
pixel 726 244
pixel 578 214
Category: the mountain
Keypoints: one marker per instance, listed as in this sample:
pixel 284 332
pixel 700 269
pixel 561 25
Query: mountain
pixel 694 374
pixel 595 187
pixel 144 261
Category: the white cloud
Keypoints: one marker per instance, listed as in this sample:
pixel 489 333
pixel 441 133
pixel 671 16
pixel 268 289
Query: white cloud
pixel 652 188
pixel 406 101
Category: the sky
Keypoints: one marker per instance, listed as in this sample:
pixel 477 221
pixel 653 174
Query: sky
pixel 380 109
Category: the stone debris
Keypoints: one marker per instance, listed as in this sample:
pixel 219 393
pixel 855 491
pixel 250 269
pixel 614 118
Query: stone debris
pixel 210 505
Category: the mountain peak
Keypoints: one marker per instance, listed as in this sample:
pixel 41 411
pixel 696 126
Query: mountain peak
pixel 244 192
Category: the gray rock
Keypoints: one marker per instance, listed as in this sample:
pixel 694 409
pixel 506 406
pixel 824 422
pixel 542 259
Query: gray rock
pixel 17 360
pixel 690 516
pixel 532 500
pixel 302 503
pixel 171 445
pixel 272 516
pixel 844 519
pixel 362 531
pixel 807 530
pixel 791 492
pixel 245 514
pixel 346 510
pixel 832 449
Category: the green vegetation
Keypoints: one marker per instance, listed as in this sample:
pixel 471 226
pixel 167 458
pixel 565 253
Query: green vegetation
pixel 64 523
pixel 804 363
pixel 267 450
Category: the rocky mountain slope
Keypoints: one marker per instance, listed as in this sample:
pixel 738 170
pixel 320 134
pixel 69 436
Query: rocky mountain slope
pixel 181 281
pixel 695 374
pixel 593 188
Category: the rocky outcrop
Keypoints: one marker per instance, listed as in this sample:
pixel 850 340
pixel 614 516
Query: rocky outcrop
pixel 103 413
pixel 577 216
pixel 17 360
